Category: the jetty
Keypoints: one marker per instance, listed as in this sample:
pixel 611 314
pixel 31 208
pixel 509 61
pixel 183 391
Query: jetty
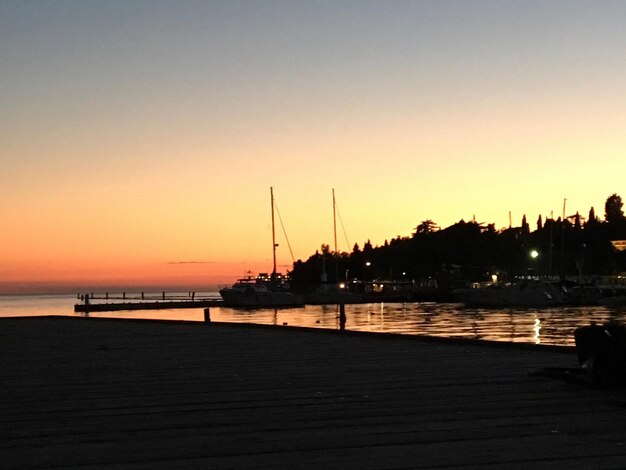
pixel 106 393
pixel 118 302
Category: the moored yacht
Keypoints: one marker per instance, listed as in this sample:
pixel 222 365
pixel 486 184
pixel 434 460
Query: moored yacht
pixel 259 291
pixel 523 293
pixel 263 290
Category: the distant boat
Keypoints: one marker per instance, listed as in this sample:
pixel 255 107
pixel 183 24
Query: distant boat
pixel 327 294
pixel 257 292
pixel 612 296
pixel 613 301
pixel 525 293
pixel 263 290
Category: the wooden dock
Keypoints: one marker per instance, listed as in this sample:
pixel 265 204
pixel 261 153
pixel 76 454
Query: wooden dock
pixel 105 393
pixel 146 305
pixel 115 302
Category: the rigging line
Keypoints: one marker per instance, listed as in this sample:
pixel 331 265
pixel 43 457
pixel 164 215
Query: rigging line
pixel 342 227
pixel 284 231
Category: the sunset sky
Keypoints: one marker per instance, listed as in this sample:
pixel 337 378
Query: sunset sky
pixel 139 139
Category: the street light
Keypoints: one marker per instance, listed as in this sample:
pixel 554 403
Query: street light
pixel 534 254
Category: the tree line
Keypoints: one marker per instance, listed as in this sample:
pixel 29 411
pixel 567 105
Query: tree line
pixel 471 251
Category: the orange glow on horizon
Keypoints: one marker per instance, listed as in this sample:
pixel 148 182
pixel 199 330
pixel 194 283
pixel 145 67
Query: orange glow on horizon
pixel 201 276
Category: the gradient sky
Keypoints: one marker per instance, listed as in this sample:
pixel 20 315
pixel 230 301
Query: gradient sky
pixel 138 140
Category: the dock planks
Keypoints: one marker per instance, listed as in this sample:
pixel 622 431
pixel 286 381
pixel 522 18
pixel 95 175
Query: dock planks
pixel 103 393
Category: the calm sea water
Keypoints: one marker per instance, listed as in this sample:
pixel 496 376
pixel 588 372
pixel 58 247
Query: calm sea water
pixel 538 326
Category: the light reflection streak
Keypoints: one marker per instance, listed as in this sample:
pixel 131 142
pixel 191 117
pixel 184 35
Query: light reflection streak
pixel 537 330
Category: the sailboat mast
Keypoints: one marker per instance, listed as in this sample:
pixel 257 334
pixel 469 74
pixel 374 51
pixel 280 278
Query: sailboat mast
pixel 335 220
pixel 273 234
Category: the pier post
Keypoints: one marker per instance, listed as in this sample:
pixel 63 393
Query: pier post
pixel 123 295
pixel 106 295
pixel 342 317
pixel 163 295
pixel 142 296
pixel 207 315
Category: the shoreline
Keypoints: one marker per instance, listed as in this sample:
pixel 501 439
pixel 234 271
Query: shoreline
pixel 565 349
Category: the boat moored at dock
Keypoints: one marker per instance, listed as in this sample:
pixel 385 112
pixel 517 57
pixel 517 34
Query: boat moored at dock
pixel 264 290
pixel 523 293
pixel 260 291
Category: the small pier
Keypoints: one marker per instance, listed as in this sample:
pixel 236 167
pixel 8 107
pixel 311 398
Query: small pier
pixel 116 302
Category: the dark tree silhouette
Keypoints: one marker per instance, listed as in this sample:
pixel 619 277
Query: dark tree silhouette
pixel 614 216
pixel 592 216
pixel 525 226
pixel 577 225
pixel 613 209
pixel 425 227
pixel 470 251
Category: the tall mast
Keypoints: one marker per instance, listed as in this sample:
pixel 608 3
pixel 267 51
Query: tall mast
pixel 334 220
pixel 273 234
pixel 563 241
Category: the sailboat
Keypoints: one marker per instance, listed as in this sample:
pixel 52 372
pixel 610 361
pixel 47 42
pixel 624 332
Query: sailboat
pixel 262 290
pixel 327 293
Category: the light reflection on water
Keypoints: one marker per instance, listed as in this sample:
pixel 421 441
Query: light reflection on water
pixel 538 326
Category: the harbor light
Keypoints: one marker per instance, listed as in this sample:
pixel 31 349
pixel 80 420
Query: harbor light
pixel 534 254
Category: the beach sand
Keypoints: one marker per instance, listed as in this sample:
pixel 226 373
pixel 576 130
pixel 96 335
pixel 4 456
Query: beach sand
pixel 86 392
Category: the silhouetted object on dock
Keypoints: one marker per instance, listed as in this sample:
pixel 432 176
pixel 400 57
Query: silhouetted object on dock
pixel 601 351
pixel 207 315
